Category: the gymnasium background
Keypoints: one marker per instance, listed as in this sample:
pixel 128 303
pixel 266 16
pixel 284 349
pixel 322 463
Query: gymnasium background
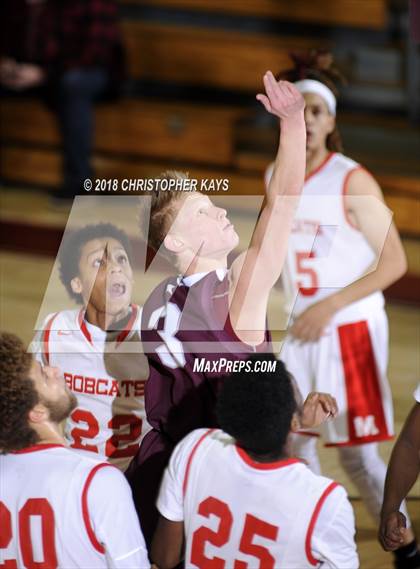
pixel 194 67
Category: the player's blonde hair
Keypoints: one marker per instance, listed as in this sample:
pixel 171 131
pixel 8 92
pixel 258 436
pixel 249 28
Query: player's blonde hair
pixel 163 210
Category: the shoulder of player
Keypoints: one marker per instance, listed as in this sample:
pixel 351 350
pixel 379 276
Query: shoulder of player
pixel 332 496
pixel 324 484
pixel 62 320
pixel 158 294
pixel 360 182
pixel 196 436
pixel 188 446
pixel 92 470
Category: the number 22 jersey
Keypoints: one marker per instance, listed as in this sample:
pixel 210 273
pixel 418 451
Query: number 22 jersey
pixel 107 373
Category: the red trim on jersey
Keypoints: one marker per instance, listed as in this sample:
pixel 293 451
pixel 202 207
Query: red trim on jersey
pixel 264 465
pixel 364 398
pixel 321 166
pixel 307 433
pixel 194 450
pixel 85 510
pixel 344 193
pixel 123 335
pixel 366 440
pixel 37 447
pixel 47 332
pixel 313 521
pixel 83 327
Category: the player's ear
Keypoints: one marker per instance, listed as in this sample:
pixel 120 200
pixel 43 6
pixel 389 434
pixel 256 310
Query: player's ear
pixel 331 125
pixel 38 414
pixel 76 285
pixel 295 423
pixel 173 243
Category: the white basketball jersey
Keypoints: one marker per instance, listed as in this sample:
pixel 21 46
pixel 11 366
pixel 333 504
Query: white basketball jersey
pixel 240 513
pixel 107 372
pixel 326 251
pixel 59 509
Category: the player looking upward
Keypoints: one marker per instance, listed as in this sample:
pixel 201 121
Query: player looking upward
pixel 210 309
pixel 238 498
pixel 57 508
pixel 343 251
pixel 92 345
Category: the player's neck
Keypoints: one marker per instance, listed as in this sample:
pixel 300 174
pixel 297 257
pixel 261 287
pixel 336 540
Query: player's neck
pixel 314 159
pixel 269 457
pixel 106 321
pixel 49 434
pixel 202 265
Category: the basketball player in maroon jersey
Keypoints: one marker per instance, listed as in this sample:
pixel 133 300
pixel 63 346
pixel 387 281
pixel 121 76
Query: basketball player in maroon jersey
pixel 211 310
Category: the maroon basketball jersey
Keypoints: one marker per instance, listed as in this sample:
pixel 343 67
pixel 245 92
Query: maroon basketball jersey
pixel 188 338
pixel 185 320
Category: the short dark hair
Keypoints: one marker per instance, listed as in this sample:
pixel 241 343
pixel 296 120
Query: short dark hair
pixel 18 395
pixel 71 248
pixel 318 64
pixel 256 409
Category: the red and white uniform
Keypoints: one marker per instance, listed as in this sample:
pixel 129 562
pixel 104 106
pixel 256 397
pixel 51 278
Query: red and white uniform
pixel 60 509
pixel 326 253
pixel 107 372
pixel 267 515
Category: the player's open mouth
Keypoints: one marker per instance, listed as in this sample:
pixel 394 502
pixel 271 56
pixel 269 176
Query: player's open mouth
pixel 228 226
pixel 116 290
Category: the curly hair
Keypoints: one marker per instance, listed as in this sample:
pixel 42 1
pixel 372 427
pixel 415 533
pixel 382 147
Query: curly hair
pixel 71 248
pixel 256 409
pixel 17 395
pixel 162 212
pixel 317 64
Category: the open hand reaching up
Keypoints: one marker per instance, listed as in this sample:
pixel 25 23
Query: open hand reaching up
pixel 282 99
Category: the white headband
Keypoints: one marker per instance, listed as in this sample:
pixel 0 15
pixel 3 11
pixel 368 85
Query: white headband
pixel 313 86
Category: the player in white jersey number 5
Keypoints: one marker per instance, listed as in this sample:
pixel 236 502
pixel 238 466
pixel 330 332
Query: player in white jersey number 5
pixel 97 345
pixel 57 508
pixel 343 251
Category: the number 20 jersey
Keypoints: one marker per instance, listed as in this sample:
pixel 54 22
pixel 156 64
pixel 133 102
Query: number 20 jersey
pixel 107 373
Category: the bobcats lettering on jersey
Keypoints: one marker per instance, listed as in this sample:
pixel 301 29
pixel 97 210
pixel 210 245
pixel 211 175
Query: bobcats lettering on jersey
pixel 107 377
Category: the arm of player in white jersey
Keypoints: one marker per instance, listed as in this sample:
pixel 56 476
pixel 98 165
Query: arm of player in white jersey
pixel 365 202
pixel 333 535
pixel 114 520
pixel 168 541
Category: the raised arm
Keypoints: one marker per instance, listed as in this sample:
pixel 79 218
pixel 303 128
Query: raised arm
pixel 254 273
